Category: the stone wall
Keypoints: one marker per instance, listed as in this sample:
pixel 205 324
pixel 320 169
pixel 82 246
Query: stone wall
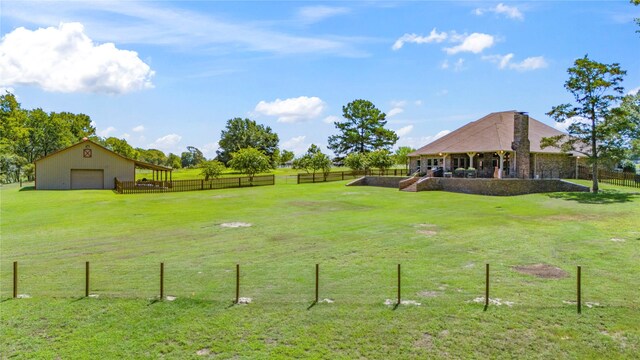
pixel 499 187
pixel 381 181
pixel 553 166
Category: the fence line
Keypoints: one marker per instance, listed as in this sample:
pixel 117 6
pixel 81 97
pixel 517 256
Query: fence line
pixel 345 175
pixel 146 187
pixel 611 177
pixel 162 288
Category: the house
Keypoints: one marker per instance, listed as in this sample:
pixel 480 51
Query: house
pixel 501 144
pixel 88 165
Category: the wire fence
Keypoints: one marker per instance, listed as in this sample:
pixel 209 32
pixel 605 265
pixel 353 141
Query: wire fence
pixel 353 284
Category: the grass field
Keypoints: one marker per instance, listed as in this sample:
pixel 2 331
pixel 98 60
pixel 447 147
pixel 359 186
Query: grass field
pixel 357 234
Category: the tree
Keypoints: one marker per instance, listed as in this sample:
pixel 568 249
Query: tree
pixel 380 159
pixel 250 161
pixel 211 169
pixel 596 129
pixel 244 133
pixel 313 160
pixel 286 156
pixel 401 157
pixel 192 157
pixel 174 161
pixel 357 161
pixel 630 110
pixel 122 147
pixel 152 156
pixel 363 131
pixel 79 124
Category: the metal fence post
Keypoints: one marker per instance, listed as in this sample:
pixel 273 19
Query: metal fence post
pixel 86 279
pixel 237 283
pixel 15 279
pixel 317 278
pixel 161 280
pixel 486 288
pixel 399 291
pixel 579 289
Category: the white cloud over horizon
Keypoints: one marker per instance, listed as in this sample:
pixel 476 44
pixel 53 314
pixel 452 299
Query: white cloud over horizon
pixel 209 150
pixel 634 91
pixel 292 110
pixel 138 128
pixel 331 119
pixel 510 12
pixel 296 144
pixel 395 111
pixel 64 59
pixel 418 142
pixel 106 132
pixel 168 143
pixel 404 131
pixel 504 62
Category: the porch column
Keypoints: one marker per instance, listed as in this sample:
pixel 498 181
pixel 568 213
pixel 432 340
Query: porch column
pixel 444 161
pixel 501 155
pixel 471 155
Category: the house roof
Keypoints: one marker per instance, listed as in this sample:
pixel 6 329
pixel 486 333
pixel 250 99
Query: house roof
pixel 140 164
pixel 491 133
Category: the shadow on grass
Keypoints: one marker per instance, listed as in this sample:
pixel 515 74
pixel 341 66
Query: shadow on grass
pixel 314 303
pixel 27 188
pixel 7 299
pixel 603 197
pixel 154 301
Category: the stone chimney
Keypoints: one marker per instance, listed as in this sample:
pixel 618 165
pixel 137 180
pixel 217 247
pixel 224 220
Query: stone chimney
pixel 521 144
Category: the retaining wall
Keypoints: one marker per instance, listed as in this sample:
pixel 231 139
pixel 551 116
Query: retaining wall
pixel 499 187
pixel 381 181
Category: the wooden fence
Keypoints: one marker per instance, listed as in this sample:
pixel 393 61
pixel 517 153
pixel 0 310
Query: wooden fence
pixel 611 177
pixel 145 187
pixel 345 175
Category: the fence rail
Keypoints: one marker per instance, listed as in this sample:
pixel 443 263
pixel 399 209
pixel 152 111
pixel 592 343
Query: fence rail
pixel 345 175
pixel 611 177
pixel 145 187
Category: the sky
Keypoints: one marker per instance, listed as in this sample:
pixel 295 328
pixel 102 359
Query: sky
pixel 169 74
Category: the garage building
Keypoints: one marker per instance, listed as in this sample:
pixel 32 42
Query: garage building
pixel 88 165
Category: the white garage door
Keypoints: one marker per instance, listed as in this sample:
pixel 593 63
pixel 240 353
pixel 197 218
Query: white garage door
pixel 87 179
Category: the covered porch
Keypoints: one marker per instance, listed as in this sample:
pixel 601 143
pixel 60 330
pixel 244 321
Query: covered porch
pixel 493 164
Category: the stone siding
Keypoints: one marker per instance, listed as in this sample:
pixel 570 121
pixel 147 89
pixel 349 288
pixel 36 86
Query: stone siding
pixel 499 187
pixel 553 166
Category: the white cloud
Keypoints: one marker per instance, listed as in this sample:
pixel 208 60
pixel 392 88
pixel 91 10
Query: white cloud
pixel 504 62
pixel 65 59
pixel 434 36
pixel 403 131
pixel 417 142
pixel 292 110
pixel 297 145
pixel 442 92
pixel 418 102
pixel 209 150
pixel 331 119
pixel 313 14
pixel 163 24
pixel 395 111
pixel 634 91
pixel 511 12
pixel 138 128
pixel 399 103
pixel 125 136
pixel 167 143
pixel 474 43
pixel 564 126
pixel 106 132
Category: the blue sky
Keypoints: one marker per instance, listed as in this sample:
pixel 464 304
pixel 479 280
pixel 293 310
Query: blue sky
pixel 170 74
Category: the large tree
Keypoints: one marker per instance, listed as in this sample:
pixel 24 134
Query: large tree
pixel 597 130
pixel 636 3
pixel 122 147
pixel 363 131
pixel 192 157
pixel 245 133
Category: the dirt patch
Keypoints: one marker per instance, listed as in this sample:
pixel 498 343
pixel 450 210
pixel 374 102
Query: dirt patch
pixel 496 301
pixel 425 342
pixel 203 352
pixel 235 225
pixel 429 293
pixel 390 302
pixel 426 229
pixel 545 271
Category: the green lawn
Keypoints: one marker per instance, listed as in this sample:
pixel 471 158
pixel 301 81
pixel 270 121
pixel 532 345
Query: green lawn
pixel 358 235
